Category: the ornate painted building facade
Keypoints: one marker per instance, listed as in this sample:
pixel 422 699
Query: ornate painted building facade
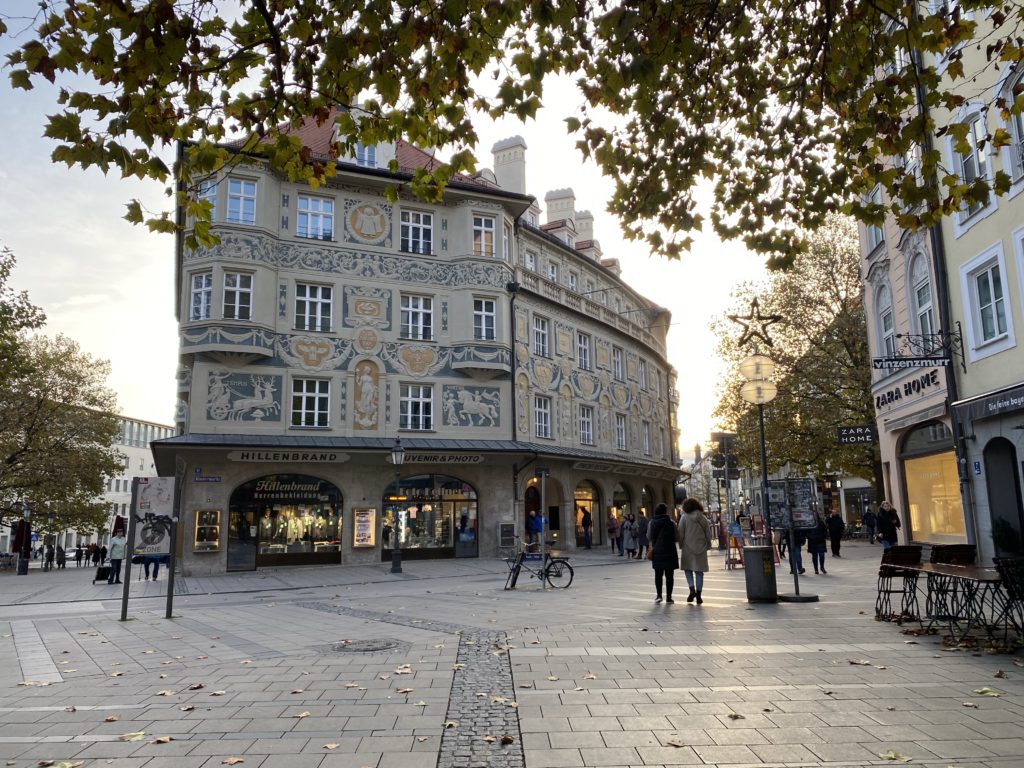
pixel 327 323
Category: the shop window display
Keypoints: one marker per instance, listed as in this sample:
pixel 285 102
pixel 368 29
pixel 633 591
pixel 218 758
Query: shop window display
pixel 436 516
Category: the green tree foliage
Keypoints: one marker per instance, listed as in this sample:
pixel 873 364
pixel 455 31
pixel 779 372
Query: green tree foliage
pixel 823 366
pixel 792 109
pixel 57 422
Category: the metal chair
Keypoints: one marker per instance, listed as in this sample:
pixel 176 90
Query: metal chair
pixel 895 577
pixel 954 554
pixel 1011 572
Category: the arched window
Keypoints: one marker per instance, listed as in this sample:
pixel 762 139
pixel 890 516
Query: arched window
pixel 886 325
pixel 921 287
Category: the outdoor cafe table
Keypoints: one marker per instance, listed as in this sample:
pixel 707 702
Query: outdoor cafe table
pixel 963 598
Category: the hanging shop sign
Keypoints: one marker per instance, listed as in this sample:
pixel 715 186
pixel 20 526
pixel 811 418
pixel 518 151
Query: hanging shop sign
pixel 899 363
pixel 364 527
pixel 860 433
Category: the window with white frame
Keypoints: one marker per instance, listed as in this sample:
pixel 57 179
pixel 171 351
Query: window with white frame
pixel 874 233
pixel 530 260
pixel 989 302
pixel 924 313
pixel 542 416
pixel 583 350
pixel 416 407
pixel 201 296
pixel 574 281
pixel 237 296
pixel 416 231
pixel 316 218
pixel 540 336
pixel 366 156
pixel 620 431
pixel 313 307
pixel 483 235
pixel 207 191
pixel 645 436
pixel 586 425
pixel 417 317
pixel 974 164
pixel 886 327
pixel 506 242
pixel 241 201
pixel 588 287
pixel 552 272
pixel 484 313
pixel 643 373
pixel 311 402
pixel 618 371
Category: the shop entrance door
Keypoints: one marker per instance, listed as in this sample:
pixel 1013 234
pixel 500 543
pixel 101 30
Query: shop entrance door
pixel 1002 480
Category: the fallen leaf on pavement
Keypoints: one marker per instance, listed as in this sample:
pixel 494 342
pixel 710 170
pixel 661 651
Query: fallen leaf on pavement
pixel 890 709
pixel 162 740
pixel 111 718
pixel 1000 674
pixel 117 674
pixel 451 724
pixel 736 716
pixel 148 651
pixel 297 690
pixel 439 645
pixel 894 755
pixel 331 746
pixel 969 705
pixel 351 685
pixel 217 693
pixel 196 686
pixel 458 666
pixel 590 676
pixel 72 708
pixel 986 691
pixel 420 704
pixel 489 739
pixel 186 708
pixel 860 662
pixel 232 761
pixel 404 690
pixel 552 678
pixel 506 739
pixel 166 693
pixel 385 677
pixel 163 677
pixel 579 688
pixel 526 685
pixel 133 736
pixel 301 715
pixel 675 743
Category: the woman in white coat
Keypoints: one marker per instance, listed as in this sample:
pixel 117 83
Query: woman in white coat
pixel 694 542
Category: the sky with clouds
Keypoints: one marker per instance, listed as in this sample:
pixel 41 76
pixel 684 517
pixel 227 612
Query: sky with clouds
pixel 110 285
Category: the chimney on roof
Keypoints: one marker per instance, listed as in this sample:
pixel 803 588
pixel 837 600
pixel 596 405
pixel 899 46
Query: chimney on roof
pixel 561 204
pixel 510 164
pixel 585 225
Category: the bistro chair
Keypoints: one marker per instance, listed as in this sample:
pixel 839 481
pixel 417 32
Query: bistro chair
pixel 1011 573
pixel 896 576
pixel 954 554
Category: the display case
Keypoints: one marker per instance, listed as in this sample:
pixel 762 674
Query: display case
pixel 207 537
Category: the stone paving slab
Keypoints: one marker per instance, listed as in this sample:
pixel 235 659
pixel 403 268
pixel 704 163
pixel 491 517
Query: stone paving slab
pixel 601 675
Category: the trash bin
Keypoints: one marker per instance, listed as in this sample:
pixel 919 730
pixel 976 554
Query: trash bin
pixel 759 568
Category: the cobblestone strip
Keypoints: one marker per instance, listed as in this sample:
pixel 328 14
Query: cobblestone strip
pixel 483 721
pixel 388 618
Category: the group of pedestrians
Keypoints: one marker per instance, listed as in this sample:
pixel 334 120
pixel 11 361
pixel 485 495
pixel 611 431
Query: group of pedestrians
pixel 684 545
pixel 630 536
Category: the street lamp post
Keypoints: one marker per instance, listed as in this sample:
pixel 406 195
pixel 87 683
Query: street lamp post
pixel 397 458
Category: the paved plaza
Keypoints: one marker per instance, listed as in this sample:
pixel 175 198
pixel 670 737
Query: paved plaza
pixel 352 667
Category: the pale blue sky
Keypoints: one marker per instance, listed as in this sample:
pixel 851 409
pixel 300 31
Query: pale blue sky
pixel 109 285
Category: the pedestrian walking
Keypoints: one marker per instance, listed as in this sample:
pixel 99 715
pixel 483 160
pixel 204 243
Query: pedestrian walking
pixel 94 551
pixel 694 543
pixel 869 521
pixel 836 527
pixel 796 543
pixel 103 554
pixel 817 538
pixel 888 525
pixel 613 532
pixel 48 560
pixel 533 527
pixel 643 543
pixel 628 534
pixel 664 555
pixel 118 547
pixel 78 555
pixel 61 557
pixel 587 524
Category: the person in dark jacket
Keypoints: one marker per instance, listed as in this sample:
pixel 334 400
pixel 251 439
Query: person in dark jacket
pixel 796 558
pixel 869 521
pixel 836 527
pixel 662 533
pixel 817 538
pixel 888 524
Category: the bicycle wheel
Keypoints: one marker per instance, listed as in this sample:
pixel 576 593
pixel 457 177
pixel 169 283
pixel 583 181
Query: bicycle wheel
pixel 559 574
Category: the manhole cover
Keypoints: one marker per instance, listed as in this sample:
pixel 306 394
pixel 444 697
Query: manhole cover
pixel 367 646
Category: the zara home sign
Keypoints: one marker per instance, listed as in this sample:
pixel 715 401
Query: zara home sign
pixel 907 389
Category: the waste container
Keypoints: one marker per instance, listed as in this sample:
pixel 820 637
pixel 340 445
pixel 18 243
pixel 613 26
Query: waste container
pixel 759 568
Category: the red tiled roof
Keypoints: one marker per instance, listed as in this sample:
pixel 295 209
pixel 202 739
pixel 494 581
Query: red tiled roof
pixel 582 245
pixel 557 224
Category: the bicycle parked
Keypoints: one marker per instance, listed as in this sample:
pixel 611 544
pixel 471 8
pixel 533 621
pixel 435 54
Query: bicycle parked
pixel 554 569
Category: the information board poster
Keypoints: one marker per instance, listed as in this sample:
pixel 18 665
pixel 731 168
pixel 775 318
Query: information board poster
pixel 364 527
pixel 792 502
pixel 153 509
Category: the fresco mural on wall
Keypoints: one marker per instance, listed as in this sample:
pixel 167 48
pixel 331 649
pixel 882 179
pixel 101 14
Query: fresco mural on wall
pixel 367 404
pixel 471 406
pixel 242 397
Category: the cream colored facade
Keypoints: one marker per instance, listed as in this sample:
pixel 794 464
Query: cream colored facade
pixel 327 323
pixel 981 253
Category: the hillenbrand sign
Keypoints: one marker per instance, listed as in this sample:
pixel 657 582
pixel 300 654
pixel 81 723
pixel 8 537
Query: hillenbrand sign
pixel 896 363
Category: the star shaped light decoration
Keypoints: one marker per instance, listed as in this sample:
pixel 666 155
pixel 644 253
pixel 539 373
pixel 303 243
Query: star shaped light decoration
pixel 755 325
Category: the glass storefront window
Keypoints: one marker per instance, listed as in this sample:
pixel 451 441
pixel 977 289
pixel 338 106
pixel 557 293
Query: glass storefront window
pixel 436 516
pixel 284 520
pixel 586 498
pixel 934 510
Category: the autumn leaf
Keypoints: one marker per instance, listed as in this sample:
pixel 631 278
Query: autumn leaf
pixel 301 715
pixel 675 743
pixel 420 704
pixel 197 686
pixel 969 705
pixel 986 691
pixel 331 746
pixel 186 708
pixel 133 736
pixel 162 740
pixel 217 693
pixel 860 662
pixel 404 690
pixel 451 724
pixel 72 708
pixel 297 690
pixel 506 739
pixel 458 666
pixel 1000 674
pixel 736 716
pixel 111 718
pixel 590 676
pixel 489 739
pixel 894 755
pixel 232 761
pixel 167 693
pixel 552 678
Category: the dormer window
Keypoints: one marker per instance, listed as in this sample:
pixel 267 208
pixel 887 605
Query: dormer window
pixel 366 156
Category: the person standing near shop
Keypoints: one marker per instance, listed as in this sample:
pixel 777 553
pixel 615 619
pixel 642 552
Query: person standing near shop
pixel 586 523
pixel 888 525
pixel 817 538
pixel 869 520
pixel 613 532
pixel 664 555
pixel 533 527
pixel 642 542
pixel 118 547
pixel 694 543
pixel 836 527
pixel 78 556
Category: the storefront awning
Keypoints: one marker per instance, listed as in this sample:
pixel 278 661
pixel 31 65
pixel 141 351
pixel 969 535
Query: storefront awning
pixel 165 451
pixel 991 404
